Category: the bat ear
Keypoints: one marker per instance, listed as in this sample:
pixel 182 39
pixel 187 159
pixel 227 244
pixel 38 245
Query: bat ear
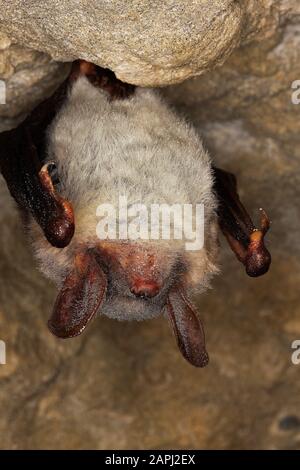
pixel 187 328
pixel 80 297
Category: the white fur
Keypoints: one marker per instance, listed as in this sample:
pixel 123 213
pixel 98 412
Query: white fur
pixel 136 147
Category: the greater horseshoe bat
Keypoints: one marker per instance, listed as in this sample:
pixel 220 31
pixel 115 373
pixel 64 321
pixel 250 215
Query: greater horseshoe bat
pixel 95 138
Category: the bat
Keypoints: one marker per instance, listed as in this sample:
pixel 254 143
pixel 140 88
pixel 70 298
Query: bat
pixel 94 139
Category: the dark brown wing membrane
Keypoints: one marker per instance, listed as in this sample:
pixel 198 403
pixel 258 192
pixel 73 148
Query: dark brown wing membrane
pixel 245 240
pixel 22 151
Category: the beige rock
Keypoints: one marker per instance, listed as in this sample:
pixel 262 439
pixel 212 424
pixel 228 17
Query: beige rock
pixel 5 42
pixel 126 385
pixel 29 76
pixel 146 43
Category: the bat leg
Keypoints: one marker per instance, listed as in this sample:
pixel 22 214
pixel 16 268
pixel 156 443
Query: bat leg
pixel 245 240
pixel 102 78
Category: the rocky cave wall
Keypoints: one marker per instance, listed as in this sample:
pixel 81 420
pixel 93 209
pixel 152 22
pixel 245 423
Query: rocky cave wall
pixel 125 385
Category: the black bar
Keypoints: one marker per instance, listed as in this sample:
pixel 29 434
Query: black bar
pixel 151 458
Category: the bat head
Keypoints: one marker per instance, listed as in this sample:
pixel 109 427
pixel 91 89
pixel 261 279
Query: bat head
pixel 129 280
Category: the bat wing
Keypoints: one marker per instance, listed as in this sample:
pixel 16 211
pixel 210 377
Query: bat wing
pixel 245 240
pixel 21 163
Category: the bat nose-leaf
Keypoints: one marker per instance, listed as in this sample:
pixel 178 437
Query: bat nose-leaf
pixel 145 288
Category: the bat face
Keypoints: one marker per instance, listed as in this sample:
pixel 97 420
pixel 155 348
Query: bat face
pixel 131 281
pixel 138 279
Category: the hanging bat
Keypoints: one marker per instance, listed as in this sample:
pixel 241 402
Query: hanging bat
pixel 97 138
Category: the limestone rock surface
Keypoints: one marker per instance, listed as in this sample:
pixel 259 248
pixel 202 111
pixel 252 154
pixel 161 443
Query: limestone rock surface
pixel 125 385
pixel 146 43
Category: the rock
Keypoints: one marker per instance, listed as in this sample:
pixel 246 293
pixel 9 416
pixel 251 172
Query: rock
pixel 125 385
pixel 29 76
pixel 5 42
pixel 146 43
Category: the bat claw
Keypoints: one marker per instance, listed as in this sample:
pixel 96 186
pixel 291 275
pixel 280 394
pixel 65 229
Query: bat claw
pixel 265 222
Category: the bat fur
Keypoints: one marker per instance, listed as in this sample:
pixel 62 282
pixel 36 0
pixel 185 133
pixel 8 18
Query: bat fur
pixel 139 148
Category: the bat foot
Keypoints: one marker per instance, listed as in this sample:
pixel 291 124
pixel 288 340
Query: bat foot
pixel 102 78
